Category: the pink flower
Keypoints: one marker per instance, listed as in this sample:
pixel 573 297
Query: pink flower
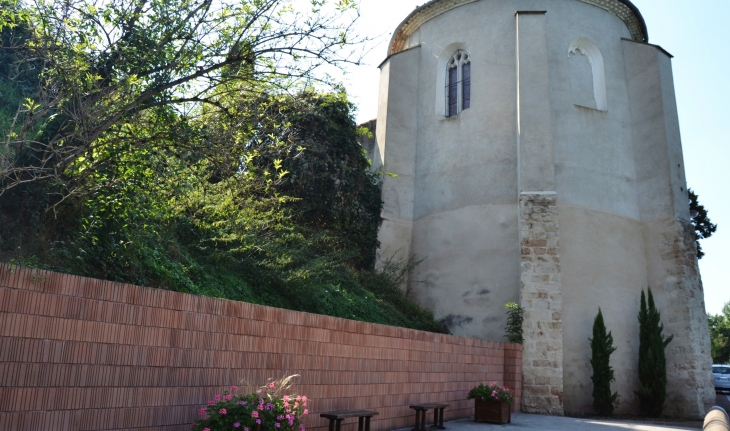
pixel 261 407
pixel 201 411
pixel 245 429
pixel 278 425
pixel 206 429
pixel 211 402
pixel 271 385
pixel 229 397
pixel 299 398
pixel 217 397
pixel 296 405
pixel 233 389
pixel 254 414
pixel 286 398
pixel 222 411
pixel 237 424
pixel 306 411
pixel 258 421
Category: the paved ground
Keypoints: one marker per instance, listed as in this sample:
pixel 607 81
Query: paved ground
pixel 527 422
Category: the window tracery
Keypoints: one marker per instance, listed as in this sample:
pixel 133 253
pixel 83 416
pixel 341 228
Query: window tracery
pixel 458 83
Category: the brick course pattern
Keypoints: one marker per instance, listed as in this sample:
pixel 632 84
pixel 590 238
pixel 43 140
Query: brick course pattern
pixel 84 354
pixel 542 326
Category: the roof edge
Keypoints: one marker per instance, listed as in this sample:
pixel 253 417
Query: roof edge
pixel 623 9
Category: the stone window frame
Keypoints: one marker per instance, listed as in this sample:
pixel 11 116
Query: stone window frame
pixel 456 84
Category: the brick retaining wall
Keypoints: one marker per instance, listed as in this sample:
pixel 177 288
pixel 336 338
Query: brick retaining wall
pixel 84 354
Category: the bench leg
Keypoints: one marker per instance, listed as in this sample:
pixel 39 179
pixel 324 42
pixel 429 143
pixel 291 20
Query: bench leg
pixel 360 423
pixel 418 417
pixel 339 425
pixel 367 423
pixel 332 425
pixel 441 419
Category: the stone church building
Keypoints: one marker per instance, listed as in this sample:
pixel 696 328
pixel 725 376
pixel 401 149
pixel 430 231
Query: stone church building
pixel 538 158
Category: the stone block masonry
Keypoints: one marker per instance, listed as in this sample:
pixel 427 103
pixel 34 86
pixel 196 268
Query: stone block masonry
pixel 542 356
pixel 84 354
pixel 690 390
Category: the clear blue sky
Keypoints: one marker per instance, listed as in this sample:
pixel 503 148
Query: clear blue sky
pixel 697 33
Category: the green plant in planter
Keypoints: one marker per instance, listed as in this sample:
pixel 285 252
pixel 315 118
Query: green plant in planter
pixel 270 408
pixel 491 392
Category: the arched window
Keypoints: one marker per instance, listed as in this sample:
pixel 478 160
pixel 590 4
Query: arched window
pixel 458 83
pixel 587 75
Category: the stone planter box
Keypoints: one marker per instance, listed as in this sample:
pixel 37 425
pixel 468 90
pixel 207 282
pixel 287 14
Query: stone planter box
pixel 491 411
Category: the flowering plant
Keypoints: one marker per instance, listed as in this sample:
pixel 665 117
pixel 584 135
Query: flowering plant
pixel 270 408
pixel 491 392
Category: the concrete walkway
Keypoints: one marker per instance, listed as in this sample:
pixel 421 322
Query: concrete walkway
pixel 529 422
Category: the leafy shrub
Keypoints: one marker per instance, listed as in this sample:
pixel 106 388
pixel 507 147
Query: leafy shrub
pixel 515 314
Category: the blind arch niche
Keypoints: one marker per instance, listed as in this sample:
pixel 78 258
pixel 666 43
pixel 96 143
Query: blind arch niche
pixel 587 75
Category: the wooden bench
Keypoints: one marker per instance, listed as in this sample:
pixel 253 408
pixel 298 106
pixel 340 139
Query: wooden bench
pixel 337 417
pixel 438 415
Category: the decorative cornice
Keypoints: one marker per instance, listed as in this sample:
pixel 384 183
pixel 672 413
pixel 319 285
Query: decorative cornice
pixel 623 9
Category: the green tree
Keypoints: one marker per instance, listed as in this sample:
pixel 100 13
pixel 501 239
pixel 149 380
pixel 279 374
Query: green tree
pixel 704 228
pixel 601 350
pixel 720 335
pixel 327 172
pixel 652 360
pixel 106 64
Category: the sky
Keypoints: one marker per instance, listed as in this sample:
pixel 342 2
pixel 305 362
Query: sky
pixel 697 33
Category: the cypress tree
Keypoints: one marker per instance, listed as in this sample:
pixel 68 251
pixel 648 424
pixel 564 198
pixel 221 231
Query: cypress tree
pixel 601 349
pixel 652 361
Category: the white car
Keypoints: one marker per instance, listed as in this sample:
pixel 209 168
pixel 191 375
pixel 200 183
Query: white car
pixel 722 377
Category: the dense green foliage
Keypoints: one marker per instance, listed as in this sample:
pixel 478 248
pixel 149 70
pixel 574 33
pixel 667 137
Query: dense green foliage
pixel 265 232
pixel 720 335
pixel 601 350
pixel 652 360
pixel 704 228
pixel 104 64
pixel 515 314
pixel 182 145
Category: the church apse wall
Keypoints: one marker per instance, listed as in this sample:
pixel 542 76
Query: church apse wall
pixel 539 161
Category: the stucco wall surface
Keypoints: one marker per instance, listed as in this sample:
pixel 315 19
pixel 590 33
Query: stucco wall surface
pixel 84 354
pixel 613 163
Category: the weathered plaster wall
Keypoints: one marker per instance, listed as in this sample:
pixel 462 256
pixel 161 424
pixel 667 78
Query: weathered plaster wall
pixel 603 265
pixel 616 174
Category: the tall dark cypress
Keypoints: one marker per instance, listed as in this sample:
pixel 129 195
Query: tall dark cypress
pixel 652 361
pixel 601 349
